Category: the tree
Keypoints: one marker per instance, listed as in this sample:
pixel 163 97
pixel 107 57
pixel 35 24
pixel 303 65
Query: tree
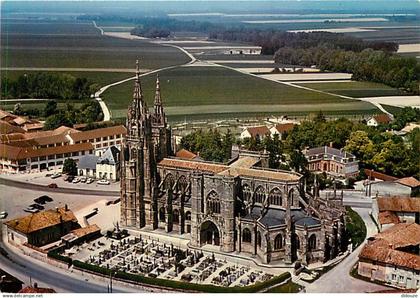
pixel 298 161
pixel 70 167
pixel 56 121
pixel 50 108
pixel 360 145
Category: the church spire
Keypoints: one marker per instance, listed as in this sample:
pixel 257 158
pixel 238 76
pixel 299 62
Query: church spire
pixel 138 105
pixel 158 107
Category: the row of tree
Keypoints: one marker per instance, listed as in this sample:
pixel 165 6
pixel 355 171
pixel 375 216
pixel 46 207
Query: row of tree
pixel 375 147
pixel 46 85
pixel 273 40
pixel 89 112
pixel 367 65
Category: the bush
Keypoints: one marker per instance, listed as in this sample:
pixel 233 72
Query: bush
pixel 53 255
pixel 355 227
pixel 182 285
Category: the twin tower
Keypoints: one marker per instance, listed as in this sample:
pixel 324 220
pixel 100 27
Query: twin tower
pixel 148 141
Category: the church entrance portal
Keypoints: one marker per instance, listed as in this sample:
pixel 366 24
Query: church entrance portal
pixel 209 234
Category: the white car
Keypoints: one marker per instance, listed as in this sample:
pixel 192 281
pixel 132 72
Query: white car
pixel 31 210
pixel 76 180
pixel 89 181
pixel 83 180
pixel 103 182
pixel 55 175
pixel 3 214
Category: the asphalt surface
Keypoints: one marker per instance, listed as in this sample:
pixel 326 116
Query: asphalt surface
pixel 32 186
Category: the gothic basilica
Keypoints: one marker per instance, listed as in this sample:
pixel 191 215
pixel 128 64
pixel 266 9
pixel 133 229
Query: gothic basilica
pixel 241 206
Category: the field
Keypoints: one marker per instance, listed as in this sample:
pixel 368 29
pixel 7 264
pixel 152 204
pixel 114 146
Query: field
pixel 355 89
pixel 40 46
pixel 208 91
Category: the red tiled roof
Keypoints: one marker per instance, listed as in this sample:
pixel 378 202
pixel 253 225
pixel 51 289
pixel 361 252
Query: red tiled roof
pixel 258 131
pixel 385 244
pixel 192 165
pixel 388 217
pixel 284 127
pixel 397 204
pixel 19 153
pixel 36 290
pixel 409 181
pixel 97 133
pixel 382 118
pixel 185 154
pixel 40 220
pixel 378 175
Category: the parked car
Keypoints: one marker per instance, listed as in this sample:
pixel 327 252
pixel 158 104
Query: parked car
pixel 103 182
pixel 52 185
pixel 48 175
pixel 89 180
pixel 31 210
pixel 45 198
pixel 3 214
pixel 68 178
pixel 83 179
pixel 37 206
pixel 76 180
pixel 55 175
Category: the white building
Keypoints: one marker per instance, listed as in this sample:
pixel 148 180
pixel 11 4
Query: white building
pixel 379 119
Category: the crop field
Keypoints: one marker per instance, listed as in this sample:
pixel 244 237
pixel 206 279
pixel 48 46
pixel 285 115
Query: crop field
pixel 400 33
pixel 95 77
pixel 12 27
pixel 218 91
pixel 38 47
pixel 355 89
pixel 40 105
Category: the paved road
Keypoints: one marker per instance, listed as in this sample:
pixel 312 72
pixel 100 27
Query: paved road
pixel 61 280
pixel 338 280
pixel 26 185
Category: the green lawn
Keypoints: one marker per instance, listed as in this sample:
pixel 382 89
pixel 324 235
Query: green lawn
pixel 355 89
pixel 289 287
pixel 210 91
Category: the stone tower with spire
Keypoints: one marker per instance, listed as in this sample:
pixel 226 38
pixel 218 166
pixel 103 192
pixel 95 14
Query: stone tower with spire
pixel 148 140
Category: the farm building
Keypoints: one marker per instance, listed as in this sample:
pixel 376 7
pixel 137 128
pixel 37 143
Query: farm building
pixel 388 211
pixel 392 257
pixel 378 120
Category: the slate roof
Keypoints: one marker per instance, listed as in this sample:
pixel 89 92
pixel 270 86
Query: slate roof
pixel 111 156
pixel 88 162
pixel 329 151
pixel 308 222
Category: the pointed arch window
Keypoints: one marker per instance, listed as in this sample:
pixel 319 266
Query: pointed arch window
pixel 259 195
pixel 278 242
pixel 275 198
pixel 213 203
pixel 246 235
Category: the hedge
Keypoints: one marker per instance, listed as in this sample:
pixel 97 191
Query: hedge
pixel 257 287
pixel 64 259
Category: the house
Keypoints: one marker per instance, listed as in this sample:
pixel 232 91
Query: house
pixel 256 132
pixel 281 129
pixel 388 211
pixel 392 257
pixel 36 290
pixel 41 228
pixel 379 120
pixel 334 162
pixel 108 165
pixel 87 165
pixel 408 186
pixel 9 283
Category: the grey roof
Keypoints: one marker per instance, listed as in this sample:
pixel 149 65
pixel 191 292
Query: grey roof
pixel 308 221
pixel 329 151
pixel 274 217
pixel 88 162
pixel 111 156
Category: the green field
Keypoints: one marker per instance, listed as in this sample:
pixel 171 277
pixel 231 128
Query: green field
pixel 36 46
pixel 210 91
pixel 95 77
pixel 355 89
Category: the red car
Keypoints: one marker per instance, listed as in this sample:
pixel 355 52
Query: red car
pixel 52 185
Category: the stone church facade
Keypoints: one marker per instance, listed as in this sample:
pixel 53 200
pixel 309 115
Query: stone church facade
pixel 241 206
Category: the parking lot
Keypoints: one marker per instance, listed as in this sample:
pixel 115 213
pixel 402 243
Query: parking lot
pixel 42 179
